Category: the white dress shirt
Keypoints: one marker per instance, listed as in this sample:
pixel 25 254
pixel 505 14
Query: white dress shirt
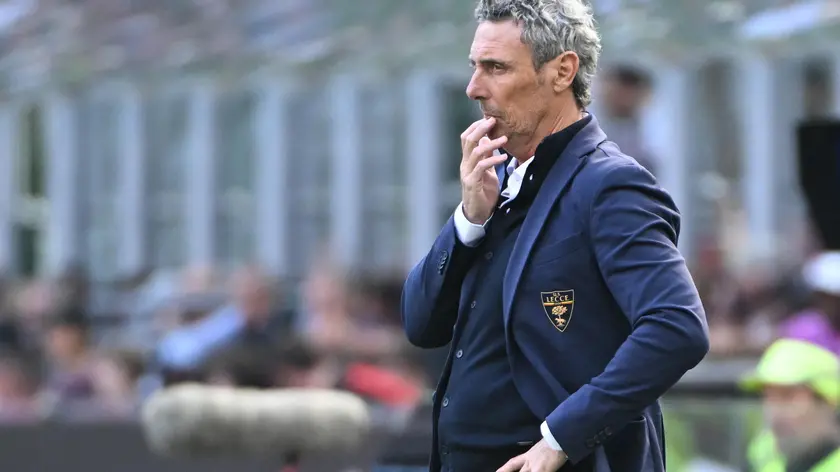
pixel 470 234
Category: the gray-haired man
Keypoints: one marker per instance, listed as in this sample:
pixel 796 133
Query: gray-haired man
pixel 557 281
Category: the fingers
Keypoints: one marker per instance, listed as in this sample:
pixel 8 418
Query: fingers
pixel 470 129
pixel 486 146
pixel 474 133
pixel 513 465
pixel 489 163
pixel 484 150
pixel 483 159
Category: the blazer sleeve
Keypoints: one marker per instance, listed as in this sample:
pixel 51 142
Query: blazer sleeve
pixel 432 291
pixel 634 228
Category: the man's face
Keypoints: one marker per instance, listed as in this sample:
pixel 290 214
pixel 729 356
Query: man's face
pixel 796 416
pixel 505 83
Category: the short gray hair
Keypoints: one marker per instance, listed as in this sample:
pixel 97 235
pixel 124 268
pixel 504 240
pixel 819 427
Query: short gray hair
pixel 550 28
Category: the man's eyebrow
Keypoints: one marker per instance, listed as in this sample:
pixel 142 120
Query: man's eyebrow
pixel 488 62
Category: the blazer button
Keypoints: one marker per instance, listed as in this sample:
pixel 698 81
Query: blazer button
pixel 473 304
pixel 445 402
pixel 460 353
pixel 489 255
pixel 590 443
pixel 442 262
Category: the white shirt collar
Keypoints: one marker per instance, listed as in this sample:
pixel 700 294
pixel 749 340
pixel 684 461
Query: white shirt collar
pixel 516 174
pixel 514 165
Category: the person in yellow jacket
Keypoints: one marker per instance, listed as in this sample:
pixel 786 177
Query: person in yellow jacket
pixel 800 387
pixel 763 455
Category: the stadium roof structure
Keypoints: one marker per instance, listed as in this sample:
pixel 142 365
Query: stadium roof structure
pixel 71 41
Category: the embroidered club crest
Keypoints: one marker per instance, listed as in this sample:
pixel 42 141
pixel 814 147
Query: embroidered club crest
pixel 559 306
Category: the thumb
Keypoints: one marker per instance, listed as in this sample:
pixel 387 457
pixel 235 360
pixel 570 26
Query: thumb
pixel 514 464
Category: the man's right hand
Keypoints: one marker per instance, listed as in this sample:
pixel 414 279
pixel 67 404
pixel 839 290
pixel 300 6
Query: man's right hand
pixel 479 182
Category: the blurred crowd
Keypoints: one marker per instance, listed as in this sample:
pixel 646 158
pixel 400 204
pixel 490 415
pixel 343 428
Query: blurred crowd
pixel 71 352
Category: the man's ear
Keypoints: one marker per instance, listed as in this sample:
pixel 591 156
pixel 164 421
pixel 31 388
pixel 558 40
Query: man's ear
pixel 562 70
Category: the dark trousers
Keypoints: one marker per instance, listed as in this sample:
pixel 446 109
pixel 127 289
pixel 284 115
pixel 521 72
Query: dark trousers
pixel 476 460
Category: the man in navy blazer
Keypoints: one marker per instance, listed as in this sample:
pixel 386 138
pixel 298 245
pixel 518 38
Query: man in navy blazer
pixel 557 281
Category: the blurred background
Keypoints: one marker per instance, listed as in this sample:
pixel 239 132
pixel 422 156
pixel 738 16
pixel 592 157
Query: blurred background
pixel 232 192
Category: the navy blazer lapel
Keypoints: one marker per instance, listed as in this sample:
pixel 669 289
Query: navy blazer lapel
pixel 567 166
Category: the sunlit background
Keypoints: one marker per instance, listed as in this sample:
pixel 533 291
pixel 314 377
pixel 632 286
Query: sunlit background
pixel 163 162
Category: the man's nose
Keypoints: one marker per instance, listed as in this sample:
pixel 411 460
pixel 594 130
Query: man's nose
pixel 474 89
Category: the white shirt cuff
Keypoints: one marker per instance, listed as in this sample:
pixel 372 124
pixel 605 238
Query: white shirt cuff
pixel 549 438
pixel 469 234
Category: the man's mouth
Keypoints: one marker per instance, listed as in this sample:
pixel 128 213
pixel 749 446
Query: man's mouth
pixel 488 113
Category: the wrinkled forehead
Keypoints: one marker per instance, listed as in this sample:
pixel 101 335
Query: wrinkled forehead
pixel 498 40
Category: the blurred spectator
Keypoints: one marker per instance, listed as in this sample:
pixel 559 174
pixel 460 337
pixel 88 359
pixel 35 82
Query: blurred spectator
pixel 116 378
pixel 201 279
pixel 19 384
pixel 289 363
pixel 378 300
pixel 719 291
pixel 625 92
pixel 10 335
pixel 743 309
pixel 351 320
pixel 260 306
pixel 253 317
pixel 801 389
pixel 821 323
pixel 198 327
pixel 70 357
pixel 33 304
pixel 386 386
pixel 299 365
pixel 73 288
pixel 242 365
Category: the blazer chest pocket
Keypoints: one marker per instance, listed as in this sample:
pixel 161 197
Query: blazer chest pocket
pixel 557 250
